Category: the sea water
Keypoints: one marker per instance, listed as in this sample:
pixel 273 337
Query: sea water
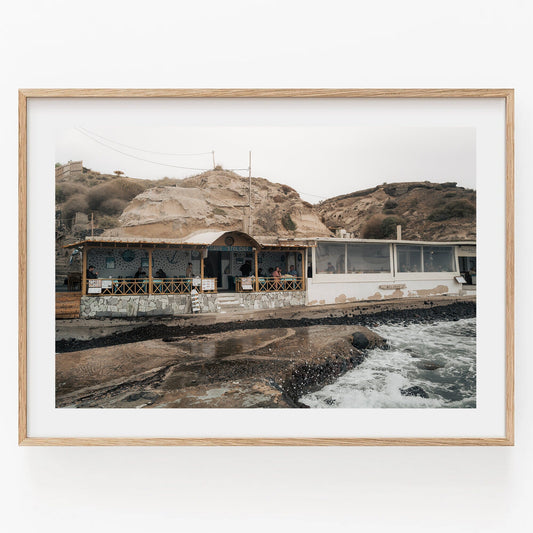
pixel 440 358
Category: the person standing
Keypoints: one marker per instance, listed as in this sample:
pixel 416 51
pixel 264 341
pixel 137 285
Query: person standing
pixel 189 272
pixel 91 272
pixel 246 268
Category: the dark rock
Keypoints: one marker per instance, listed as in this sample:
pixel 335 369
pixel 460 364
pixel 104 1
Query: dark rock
pixel 428 365
pixel 414 391
pixel 360 340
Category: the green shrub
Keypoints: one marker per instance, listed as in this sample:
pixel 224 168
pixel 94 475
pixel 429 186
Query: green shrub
pixel 107 222
pixel 113 206
pixel 454 209
pixel 390 204
pixel 219 211
pixel 381 227
pixel 60 195
pixel 286 189
pixel 120 188
pixel 388 226
pixel 75 204
pixel 287 222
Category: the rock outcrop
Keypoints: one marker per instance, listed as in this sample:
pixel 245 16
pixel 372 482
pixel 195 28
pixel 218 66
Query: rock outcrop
pixel 217 200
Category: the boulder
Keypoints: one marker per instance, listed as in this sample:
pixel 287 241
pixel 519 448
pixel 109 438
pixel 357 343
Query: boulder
pixel 414 391
pixel 363 339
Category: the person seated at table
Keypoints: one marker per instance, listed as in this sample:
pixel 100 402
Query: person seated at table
pixel 189 272
pixel 246 268
pixel 331 269
pixel 277 273
pixel 293 272
pixel 140 273
pixel 91 273
pixel 161 274
pixel 270 272
pixel 260 272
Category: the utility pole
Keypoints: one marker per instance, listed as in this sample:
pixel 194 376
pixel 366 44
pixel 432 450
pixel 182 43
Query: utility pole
pixel 250 191
pixel 214 164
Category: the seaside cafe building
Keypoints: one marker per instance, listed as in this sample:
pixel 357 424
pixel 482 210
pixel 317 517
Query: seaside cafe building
pixel 150 276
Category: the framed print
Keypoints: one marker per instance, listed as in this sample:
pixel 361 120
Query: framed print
pixel 266 267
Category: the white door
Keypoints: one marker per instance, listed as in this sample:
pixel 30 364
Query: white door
pixel 225 266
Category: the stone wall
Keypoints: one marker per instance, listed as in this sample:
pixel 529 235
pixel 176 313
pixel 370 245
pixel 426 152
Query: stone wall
pixel 132 306
pixel 271 300
pixel 110 306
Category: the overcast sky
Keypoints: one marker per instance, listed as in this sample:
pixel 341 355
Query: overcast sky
pixel 319 162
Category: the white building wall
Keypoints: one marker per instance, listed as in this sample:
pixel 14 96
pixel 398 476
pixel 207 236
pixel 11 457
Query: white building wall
pixel 320 291
pixel 340 288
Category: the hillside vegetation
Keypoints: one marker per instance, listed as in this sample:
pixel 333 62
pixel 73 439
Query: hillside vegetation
pixel 426 211
pixel 104 195
pixel 216 200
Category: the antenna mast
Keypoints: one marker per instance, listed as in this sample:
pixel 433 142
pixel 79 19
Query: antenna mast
pixel 250 191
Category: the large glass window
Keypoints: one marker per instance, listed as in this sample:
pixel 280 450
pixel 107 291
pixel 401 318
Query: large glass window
pixel 330 258
pixel 439 259
pixel 409 258
pixel 368 258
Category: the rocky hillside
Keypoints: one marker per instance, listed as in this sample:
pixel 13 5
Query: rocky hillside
pixel 431 211
pixel 216 200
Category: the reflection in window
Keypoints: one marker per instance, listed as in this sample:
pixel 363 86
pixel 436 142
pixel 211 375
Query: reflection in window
pixel 439 259
pixel 330 258
pixel 409 258
pixel 368 258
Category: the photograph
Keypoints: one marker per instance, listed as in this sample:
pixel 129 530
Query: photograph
pixel 315 267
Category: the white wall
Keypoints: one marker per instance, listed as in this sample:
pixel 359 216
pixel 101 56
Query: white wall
pixel 249 43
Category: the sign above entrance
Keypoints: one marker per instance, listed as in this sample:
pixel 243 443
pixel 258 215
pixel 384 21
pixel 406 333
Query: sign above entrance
pixel 230 248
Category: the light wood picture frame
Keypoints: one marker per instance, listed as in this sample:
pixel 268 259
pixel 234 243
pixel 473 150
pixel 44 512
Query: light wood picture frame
pixel 25 96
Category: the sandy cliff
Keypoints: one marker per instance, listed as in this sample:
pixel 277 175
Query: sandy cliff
pixel 216 200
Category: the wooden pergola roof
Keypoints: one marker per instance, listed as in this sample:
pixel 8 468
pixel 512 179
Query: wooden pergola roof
pixel 197 240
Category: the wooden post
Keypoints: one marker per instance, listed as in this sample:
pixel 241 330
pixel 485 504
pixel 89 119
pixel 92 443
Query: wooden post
pixel 84 252
pixel 250 230
pixel 304 268
pixel 214 164
pixel 201 269
pixel 256 272
pixel 150 280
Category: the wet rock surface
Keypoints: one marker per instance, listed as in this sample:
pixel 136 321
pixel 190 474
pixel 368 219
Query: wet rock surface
pixel 246 368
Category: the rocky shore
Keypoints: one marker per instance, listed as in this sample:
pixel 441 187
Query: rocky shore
pixel 77 336
pixel 245 363
pixel 246 368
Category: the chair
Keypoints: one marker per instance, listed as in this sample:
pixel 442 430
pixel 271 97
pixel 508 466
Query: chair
pixel 73 281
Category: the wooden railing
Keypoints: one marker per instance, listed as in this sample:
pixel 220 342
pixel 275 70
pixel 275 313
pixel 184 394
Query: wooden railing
pixel 285 283
pixel 171 285
pixel 124 286
pixel 134 286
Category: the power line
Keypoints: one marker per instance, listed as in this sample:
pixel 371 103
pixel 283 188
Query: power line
pixel 141 149
pixel 136 157
pixel 315 195
pixel 90 134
